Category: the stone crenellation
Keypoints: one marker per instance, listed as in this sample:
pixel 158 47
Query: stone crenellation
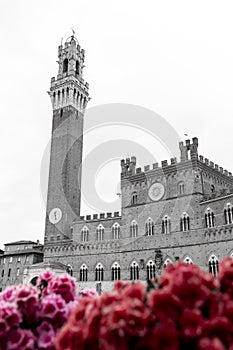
pixel 128 166
pixel 100 216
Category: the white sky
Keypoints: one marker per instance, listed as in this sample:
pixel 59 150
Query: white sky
pixel 173 57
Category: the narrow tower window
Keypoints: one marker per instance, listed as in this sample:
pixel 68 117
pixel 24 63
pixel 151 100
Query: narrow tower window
pixel 65 65
pixel 77 68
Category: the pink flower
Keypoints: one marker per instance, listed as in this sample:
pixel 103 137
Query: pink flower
pixel 210 344
pixel 20 339
pixel 46 336
pixel 191 323
pixel 164 304
pixel 87 292
pixel 226 275
pixel 189 283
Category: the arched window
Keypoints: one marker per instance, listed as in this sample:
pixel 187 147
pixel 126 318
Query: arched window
pixel 149 227
pixel 69 270
pixel 77 67
pixel 85 234
pixel 133 229
pixel 100 233
pixel 134 199
pixel 83 273
pixel 213 265
pixel 184 222
pixel 209 218
pixel 134 271
pixel 228 214
pixel 167 261
pixel 212 188
pixel 188 260
pixel 99 272
pixel 181 188
pixel 65 65
pixel 166 224
pixel 116 231
pixel 116 271
pixel 150 270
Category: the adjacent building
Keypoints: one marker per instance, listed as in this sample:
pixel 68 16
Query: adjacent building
pixel 15 259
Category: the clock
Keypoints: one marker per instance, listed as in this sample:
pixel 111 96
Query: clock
pixel 55 215
pixel 156 191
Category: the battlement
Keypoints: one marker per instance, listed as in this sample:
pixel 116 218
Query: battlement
pixel 101 216
pixel 128 166
pixel 70 43
pixel 215 167
pixel 188 152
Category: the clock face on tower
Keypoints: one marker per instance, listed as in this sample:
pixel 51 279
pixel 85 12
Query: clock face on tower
pixel 156 191
pixel 55 215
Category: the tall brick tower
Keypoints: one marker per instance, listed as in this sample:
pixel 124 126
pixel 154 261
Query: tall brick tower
pixel 69 96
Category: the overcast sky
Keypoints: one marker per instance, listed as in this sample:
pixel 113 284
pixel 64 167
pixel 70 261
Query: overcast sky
pixel 173 57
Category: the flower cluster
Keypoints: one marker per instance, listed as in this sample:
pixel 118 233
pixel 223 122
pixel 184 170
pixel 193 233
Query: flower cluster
pixel 30 317
pixel 185 309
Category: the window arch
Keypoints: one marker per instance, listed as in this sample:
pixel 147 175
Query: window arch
pixel 115 231
pixel 150 227
pixel 116 271
pixel 188 260
pixel 134 271
pixel 65 65
pixel 85 234
pixel 181 188
pixel 184 222
pixel 83 272
pixel 228 214
pixel 213 265
pixel 100 232
pixel 133 229
pixel 134 199
pixel 99 272
pixel 209 218
pixel 166 224
pixel 166 262
pixel 150 270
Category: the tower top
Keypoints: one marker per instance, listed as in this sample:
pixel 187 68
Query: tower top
pixel 69 88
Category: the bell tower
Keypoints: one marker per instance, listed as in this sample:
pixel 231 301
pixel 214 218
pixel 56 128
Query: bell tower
pixel 69 97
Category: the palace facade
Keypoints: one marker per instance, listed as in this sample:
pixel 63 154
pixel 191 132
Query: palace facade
pixel 181 209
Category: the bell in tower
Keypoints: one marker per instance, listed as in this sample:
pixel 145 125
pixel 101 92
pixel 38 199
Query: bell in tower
pixel 69 96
